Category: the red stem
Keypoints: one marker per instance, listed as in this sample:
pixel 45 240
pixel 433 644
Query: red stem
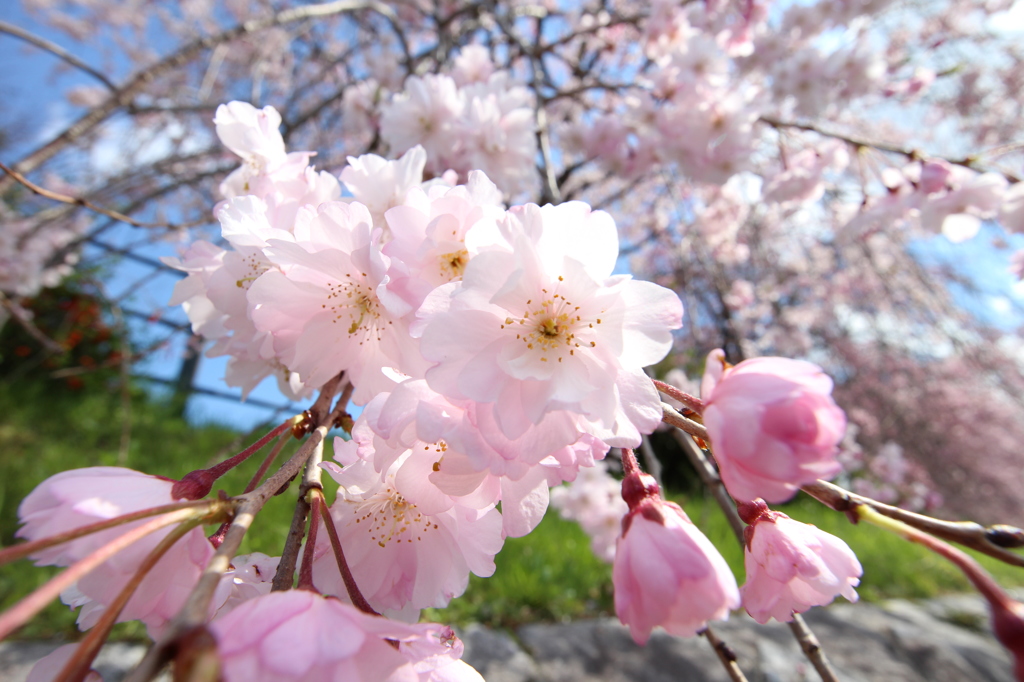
pixel 629 464
pixel 23 611
pixel 78 666
pixel 21 551
pixel 358 600
pixel 278 446
pixel 198 483
pixel 689 401
pixel 306 570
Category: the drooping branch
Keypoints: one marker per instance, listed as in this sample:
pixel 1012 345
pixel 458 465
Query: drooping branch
pixel 123 95
pixel 57 51
pixel 991 540
pixel 856 141
pixel 85 203
pixel 193 613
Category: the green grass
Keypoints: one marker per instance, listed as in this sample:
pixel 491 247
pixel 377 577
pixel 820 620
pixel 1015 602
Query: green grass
pixel 549 575
pixel 44 431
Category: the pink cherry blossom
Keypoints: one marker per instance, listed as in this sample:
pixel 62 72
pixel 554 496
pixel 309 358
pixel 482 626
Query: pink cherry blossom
pixel 543 325
pixel 792 566
pixel 666 572
pixel 773 425
pixel 301 636
pixel 330 310
pixel 76 498
pixel 404 558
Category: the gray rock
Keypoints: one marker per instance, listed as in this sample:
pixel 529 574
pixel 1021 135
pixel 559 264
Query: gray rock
pixel 898 641
pixel 496 655
pixel 112 663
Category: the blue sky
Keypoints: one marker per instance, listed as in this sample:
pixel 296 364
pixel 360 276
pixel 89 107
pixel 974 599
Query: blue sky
pixel 33 99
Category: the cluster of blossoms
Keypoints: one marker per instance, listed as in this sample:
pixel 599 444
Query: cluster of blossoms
pixel 495 354
pixel 33 257
pixel 473 119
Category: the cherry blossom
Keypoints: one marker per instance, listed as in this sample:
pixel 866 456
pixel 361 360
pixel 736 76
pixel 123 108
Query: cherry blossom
pixel 404 558
pixel 773 425
pixel 666 572
pixel 75 498
pixel 544 325
pixel 298 635
pixel 792 566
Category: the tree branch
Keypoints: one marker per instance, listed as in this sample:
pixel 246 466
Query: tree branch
pixel 970 162
pixel 124 95
pixel 57 51
pixel 991 540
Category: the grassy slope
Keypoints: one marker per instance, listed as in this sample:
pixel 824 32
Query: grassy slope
pixel 549 575
pixel 44 431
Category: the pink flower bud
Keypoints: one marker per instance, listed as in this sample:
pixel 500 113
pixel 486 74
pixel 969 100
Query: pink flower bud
pixel 76 498
pixel 773 425
pixel 666 572
pixel 792 566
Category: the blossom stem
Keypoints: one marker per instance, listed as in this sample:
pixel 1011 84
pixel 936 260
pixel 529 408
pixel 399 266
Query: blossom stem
pixel 16 552
pixel 978 576
pixel 670 416
pixel 78 665
pixel 725 654
pixel 285 576
pixel 316 503
pixel 992 540
pixel 267 461
pixel 690 402
pixel 358 600
pixel 630 466
pixel 23 611
pixel 194 612
pixel 198 483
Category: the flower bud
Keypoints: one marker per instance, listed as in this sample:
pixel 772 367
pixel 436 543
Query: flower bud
pixel 792 566
pixel 773 425
pixel 667 573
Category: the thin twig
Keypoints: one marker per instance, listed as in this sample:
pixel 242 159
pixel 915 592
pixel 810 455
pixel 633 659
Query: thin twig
pixel 670 416
pixel 85 203
pixel 725 655
pixel 123 95
pixel 57 51
pixel 991 540
pixel 866 143
pixel 21 316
